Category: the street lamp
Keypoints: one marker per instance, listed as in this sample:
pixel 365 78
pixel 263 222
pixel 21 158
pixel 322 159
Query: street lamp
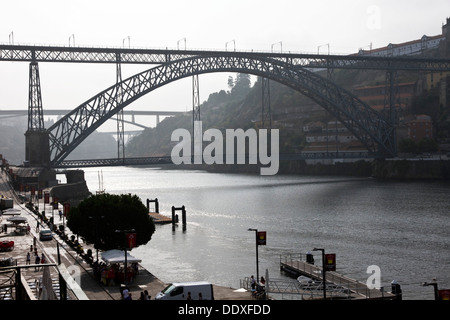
pixel 323 271
pixel 125 249
pixel 435 285
pixel 178 43
pixel 323 45
pixel 72 37
pixel 226 45
pixel 281 46
pixel 96 229
pixel 129 42
pixel 256 242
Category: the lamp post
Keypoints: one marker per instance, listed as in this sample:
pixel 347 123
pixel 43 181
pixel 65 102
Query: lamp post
pixel 226 45
pixel 323 271
pixel 125 249
pixel 256 243
pixel 96 229
pixel 178 43
pixel 281 46
pixel 435 285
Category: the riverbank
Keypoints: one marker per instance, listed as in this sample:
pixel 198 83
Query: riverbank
pixel 395 169
pixel 58 250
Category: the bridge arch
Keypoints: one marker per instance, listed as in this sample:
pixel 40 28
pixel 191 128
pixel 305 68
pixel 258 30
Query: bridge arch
pixel 368 125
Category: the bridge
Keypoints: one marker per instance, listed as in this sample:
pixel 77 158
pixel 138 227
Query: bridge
pixel 62 112
pixel 377 131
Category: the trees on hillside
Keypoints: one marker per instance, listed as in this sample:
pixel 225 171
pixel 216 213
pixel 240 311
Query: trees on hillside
pixel 102 220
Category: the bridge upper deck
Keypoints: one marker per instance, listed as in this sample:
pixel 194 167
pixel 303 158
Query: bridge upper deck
pixel 161 56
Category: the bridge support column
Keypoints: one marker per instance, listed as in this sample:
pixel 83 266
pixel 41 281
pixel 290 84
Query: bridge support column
pixel 266 112
pixel 35 112
pixel 120 119
pixel 196 130
pixel 37 150
pixel 390 105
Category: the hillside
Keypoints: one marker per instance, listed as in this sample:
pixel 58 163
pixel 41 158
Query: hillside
pixel 240 107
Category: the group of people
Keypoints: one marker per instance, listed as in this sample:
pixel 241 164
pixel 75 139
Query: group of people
pixel 110 275
pixel 258 289
pixel 37 260
pixel 127 295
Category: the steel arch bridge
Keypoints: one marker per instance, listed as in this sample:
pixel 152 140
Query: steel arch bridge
pixel 373 129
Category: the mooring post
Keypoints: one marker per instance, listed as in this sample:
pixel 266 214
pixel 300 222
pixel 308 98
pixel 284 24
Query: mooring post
pixel 156 205
pixel 173 215
pixel 183 217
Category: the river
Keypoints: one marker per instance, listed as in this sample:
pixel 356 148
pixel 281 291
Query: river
pixel 401 227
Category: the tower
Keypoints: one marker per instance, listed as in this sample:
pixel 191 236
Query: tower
pixel 37 150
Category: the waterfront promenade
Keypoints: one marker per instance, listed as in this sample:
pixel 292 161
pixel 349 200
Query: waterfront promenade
pixel 56 250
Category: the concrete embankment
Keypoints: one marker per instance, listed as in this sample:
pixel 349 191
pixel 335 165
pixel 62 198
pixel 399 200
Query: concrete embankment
pixel 416 169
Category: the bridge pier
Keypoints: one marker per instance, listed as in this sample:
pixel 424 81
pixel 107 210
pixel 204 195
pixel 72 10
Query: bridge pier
pixel 37 148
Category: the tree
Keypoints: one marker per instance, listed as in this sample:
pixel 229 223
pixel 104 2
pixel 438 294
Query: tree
pixel 230 82
pixel 407 146
pixel 98 218
pixel 241 86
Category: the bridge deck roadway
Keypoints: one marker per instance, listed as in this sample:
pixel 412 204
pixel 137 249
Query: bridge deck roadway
pixel 160 56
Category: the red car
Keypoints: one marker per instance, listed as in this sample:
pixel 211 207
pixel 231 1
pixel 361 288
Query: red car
pixel 6 245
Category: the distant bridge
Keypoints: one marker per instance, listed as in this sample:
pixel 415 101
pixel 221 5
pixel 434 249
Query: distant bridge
pixel 62 112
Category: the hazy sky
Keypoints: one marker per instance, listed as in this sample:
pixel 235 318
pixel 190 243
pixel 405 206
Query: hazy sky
pixel 300 26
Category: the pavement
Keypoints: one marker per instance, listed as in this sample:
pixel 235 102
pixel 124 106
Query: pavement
pixel 88 287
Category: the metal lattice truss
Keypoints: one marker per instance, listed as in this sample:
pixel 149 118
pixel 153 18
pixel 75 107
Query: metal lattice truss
pixel 161 56
pixel 374 131
pixel 35 112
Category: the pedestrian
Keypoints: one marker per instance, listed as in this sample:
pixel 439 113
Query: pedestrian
pixel 142 296
pixel 43 261
pixel 200 296
pixel 28 258
pixel 60 214
pixel 189 296
pixel 252 283
pixel 37 261
pixel 146 296
pixel 126 294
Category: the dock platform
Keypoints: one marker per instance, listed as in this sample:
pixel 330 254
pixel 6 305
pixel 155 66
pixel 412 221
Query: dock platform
pixel 159 218
pixel 296 265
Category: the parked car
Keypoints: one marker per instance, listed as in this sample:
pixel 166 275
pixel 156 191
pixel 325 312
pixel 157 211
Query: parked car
pixel 45 234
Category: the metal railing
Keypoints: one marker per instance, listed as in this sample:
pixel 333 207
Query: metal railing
pixel 337 285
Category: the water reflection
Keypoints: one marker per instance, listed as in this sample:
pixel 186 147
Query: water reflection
pixel 401 227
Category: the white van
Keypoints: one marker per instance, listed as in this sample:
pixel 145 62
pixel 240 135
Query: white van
pixel 181 290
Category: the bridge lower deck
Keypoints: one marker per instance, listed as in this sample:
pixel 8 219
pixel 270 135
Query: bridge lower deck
pixel 355 289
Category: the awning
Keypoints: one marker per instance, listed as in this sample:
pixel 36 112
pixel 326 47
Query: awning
pixel 11 212
pixel 118 256
pixel 17 219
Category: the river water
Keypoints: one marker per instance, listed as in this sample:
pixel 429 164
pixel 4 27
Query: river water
pixel 401 227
